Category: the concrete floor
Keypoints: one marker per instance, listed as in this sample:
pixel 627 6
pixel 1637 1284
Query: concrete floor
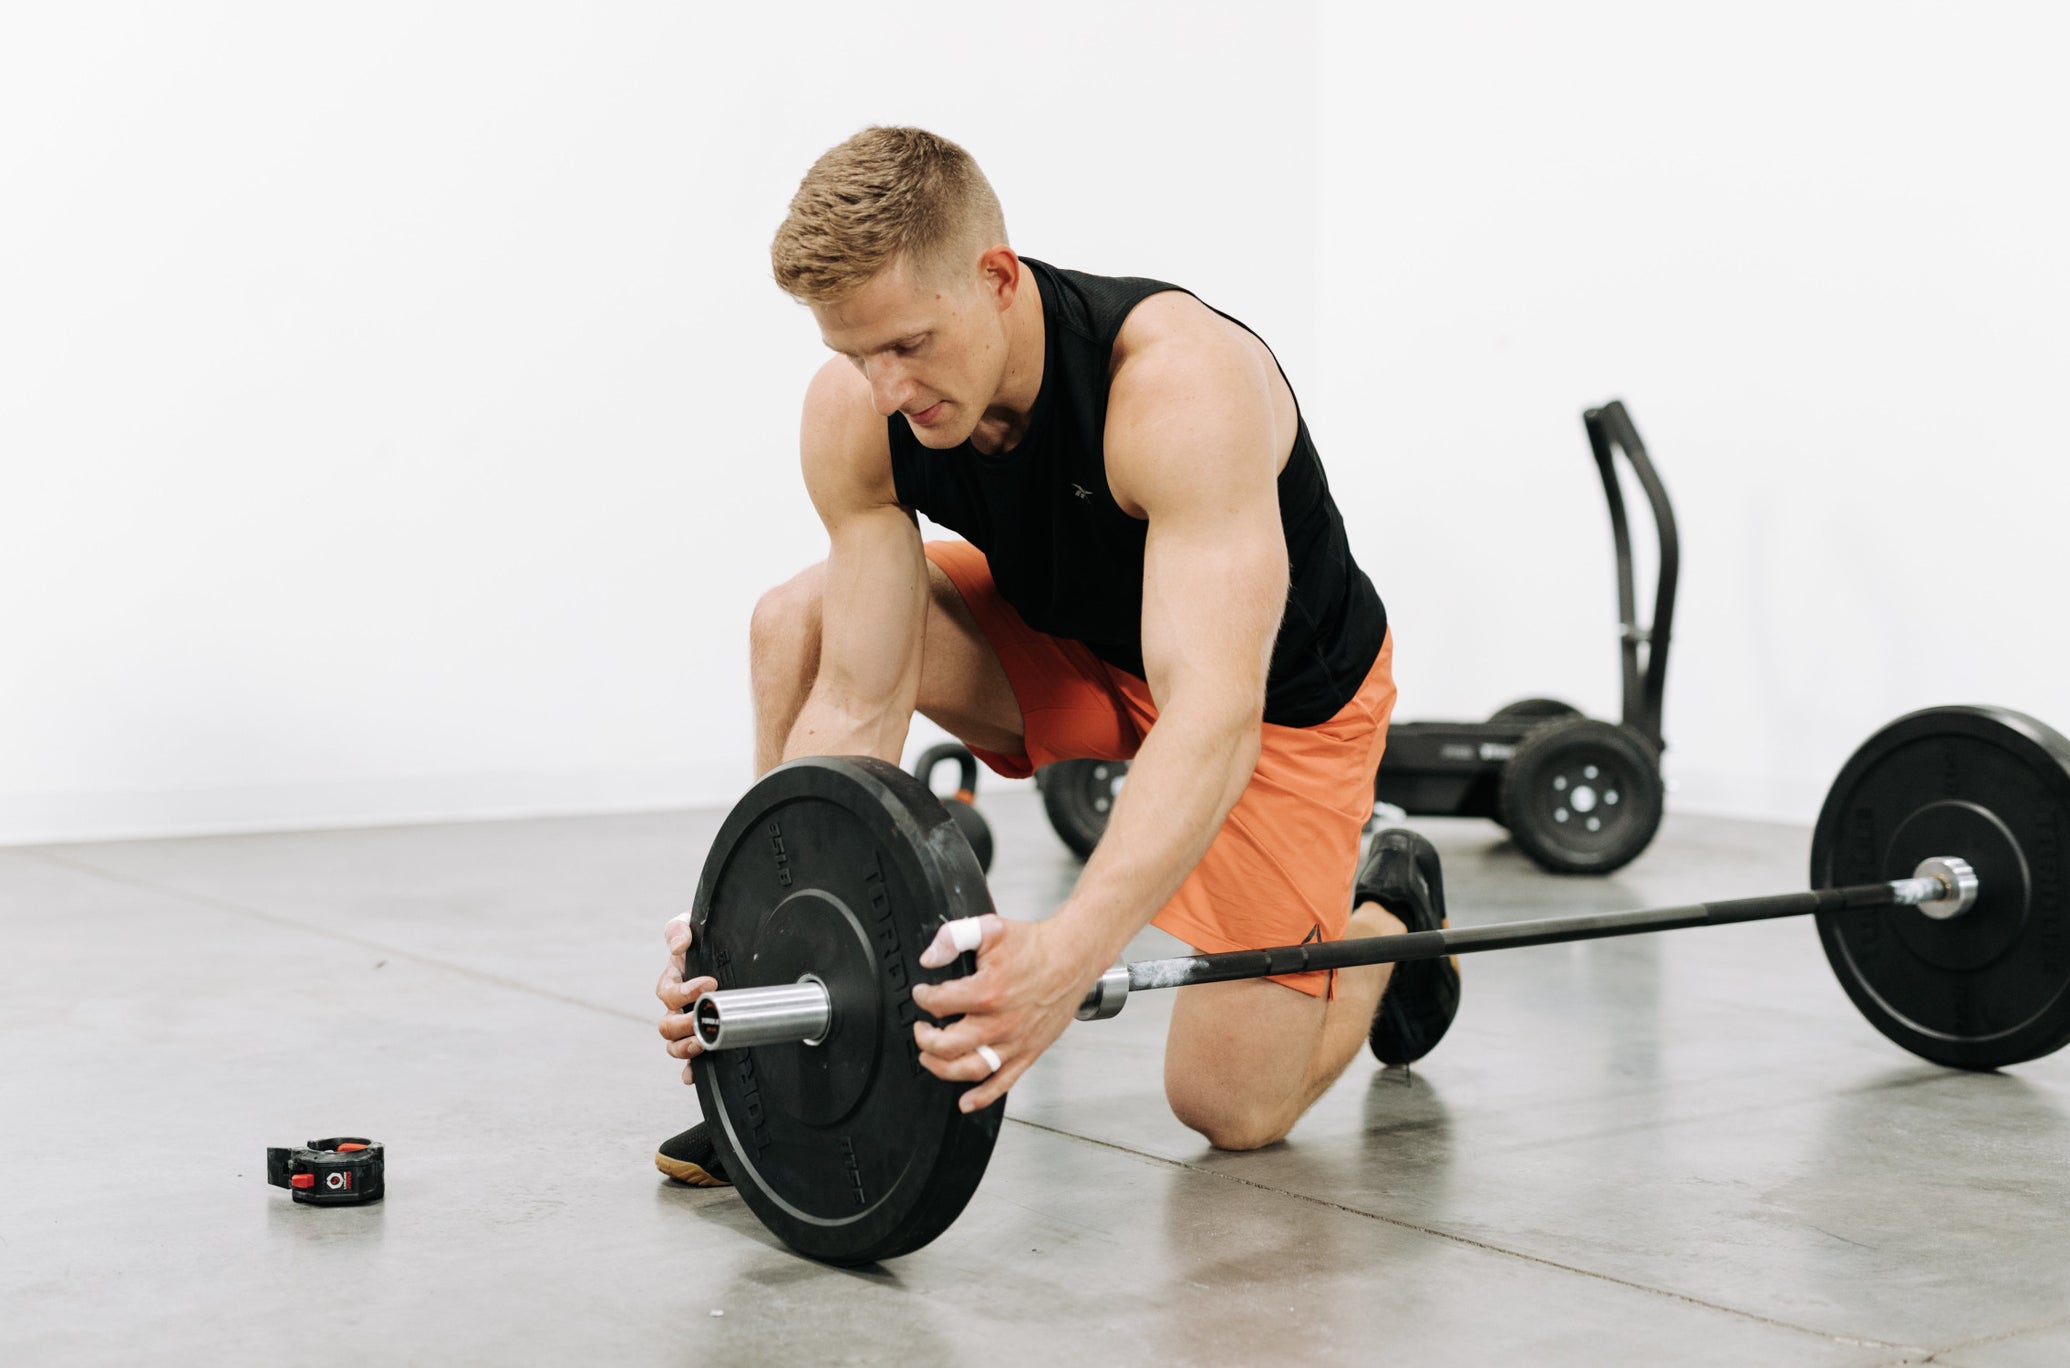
pixel 1678 1148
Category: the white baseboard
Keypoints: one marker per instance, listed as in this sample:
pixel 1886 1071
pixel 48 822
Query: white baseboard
pixel 1759 798
pixel 55 818
pixel 48 818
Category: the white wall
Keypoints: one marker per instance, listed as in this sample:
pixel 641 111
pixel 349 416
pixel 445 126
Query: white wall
pixel 396 418
pixel 1818 248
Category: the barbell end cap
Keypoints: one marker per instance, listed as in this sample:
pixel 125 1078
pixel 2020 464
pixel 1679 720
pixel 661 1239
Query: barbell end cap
pixel 704 1022
pixel 1957 877
pixel 1107 997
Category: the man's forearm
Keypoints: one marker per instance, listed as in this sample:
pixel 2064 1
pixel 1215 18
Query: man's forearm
pixel 1188 774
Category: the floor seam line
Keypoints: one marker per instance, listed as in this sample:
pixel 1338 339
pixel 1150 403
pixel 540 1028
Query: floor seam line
pixel 1482 1245
pixel 2003 1335
pixel 290 923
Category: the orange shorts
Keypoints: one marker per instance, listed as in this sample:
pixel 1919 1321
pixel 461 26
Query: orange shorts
pixel 1281 870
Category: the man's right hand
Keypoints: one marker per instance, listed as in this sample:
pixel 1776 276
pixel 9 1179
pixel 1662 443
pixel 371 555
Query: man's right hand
pixel 679 997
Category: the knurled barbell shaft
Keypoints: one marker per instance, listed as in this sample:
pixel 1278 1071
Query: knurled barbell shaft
pixel 732 1018
pixel 1418 945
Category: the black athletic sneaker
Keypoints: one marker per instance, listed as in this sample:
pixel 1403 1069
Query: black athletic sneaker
pixel 1401 873
pixel 692 1158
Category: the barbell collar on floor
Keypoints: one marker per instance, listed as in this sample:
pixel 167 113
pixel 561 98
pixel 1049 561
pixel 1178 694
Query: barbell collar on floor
pixel 804 1013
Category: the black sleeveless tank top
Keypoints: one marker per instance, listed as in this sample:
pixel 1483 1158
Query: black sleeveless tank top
pixel 1069 560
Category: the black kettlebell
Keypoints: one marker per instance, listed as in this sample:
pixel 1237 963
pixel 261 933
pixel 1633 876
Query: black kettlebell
pixel 967 818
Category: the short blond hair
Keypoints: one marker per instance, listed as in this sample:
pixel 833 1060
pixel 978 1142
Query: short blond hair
pixel 884 193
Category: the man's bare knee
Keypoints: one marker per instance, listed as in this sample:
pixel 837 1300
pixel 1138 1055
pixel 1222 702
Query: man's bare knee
pixel 786 620
pixel 1226 1121
pixel 1235 1059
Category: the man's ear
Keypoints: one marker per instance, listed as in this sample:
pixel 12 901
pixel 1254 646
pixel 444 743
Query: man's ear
pixel 1001 272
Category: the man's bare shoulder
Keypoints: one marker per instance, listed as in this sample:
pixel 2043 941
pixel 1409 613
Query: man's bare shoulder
pixel 843 443
pixel 838 408
pixel 1172 327
pixel 1191 391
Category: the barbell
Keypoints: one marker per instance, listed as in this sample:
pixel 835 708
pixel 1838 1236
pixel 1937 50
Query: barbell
pixel 1937 887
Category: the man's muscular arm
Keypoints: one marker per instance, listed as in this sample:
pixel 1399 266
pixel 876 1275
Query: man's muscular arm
pixel 876 582
pixel 1195 441
pixel 1198 422
pixel 874 613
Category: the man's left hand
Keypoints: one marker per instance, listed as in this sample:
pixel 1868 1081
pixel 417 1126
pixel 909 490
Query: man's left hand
pixel 1026 990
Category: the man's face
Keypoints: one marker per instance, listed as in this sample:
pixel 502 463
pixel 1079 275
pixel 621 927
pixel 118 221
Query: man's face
pixel 931 344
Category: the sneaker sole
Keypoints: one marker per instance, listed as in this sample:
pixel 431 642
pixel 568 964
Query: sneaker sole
pixel 683 1171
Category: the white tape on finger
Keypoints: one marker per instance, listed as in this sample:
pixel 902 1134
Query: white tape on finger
pixel 966 934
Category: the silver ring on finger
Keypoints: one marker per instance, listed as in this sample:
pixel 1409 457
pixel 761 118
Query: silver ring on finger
pixel 991 1058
